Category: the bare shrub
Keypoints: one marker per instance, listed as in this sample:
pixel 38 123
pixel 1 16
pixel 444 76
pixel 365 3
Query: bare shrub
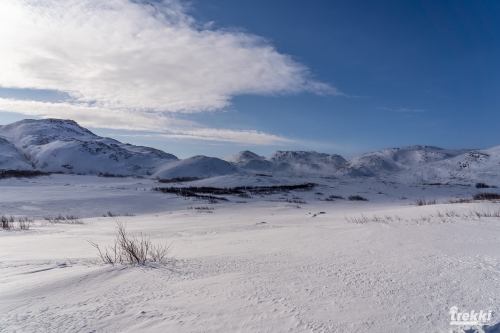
pixel 487 196
pixel 460 200
pixel 24 223
pixel 295 201
pixel 204 209
pixel 130 250
pixel 333 197
pixel 424 202
pixel 7 222
pixel 159 252
pixel 60 219
pixel 357 198
pixel 482 185
pixel 358 220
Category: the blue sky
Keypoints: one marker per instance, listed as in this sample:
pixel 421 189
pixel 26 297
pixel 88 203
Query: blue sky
pixel 342 77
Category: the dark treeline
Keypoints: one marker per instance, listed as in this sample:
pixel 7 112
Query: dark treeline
pixel 208 192
pixel 178 179
pixel 23 173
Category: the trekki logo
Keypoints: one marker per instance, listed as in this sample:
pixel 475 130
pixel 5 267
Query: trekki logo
pixel 469 318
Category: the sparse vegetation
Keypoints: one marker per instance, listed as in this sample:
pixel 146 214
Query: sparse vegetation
pixel 424 202
pixel 129 250
pixel 363 219
pixel 332 198
pixel 112 175
pixel 487 196
pixel 214 193
pixel 295 201
pixel 460 200
pixel 61 219
pixel 178 179
pixel 7 222
pixel 444 217
pixel 23 223
pixel 357 198
pixel 204 209
pixel 111 214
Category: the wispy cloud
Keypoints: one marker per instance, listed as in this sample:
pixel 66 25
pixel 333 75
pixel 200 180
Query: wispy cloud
pixel 223 135
pixel 127 55
pixel 401 110
pixel 166 127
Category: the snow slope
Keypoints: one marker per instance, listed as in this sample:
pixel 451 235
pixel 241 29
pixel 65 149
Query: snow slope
pixel 11 158
pixel 63 145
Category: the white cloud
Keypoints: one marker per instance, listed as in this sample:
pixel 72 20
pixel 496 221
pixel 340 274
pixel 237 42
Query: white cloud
pixel 169 127
pixel 124 55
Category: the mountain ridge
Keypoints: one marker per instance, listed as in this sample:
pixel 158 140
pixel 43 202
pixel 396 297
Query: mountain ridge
pixel 57 145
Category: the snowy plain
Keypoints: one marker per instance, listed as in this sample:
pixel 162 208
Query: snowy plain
pixel 257 264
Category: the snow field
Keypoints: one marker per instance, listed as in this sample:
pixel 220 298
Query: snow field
pixel 296 272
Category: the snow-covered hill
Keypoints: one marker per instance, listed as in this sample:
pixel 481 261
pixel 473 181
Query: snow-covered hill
pixel 62 145
pixel 197 166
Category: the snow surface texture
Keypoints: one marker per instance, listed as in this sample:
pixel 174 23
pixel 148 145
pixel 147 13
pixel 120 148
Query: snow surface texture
pixel 64 146
pixel 258 264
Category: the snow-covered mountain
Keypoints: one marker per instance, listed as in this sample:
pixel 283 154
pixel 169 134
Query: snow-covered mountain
pixel 246 160
pixel 288 161
pixel 63 145
pixel 391 160
pixel 307 161
pixel 471 166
